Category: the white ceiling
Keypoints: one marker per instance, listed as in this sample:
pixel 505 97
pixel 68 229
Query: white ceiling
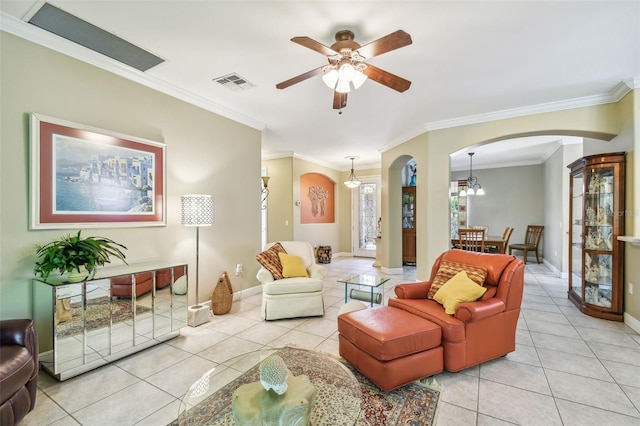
pixel 469 61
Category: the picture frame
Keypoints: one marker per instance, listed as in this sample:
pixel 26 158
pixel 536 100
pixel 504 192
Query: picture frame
pixel 86 177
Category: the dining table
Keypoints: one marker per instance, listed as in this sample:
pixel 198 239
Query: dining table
pixel 490 241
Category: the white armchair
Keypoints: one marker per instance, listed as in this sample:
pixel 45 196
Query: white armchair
pixel 293 297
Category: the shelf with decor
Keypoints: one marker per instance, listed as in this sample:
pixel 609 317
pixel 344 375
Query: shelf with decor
pixel 595 251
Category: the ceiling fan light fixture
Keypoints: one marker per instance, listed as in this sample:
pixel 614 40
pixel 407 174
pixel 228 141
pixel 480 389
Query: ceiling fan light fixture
pixel 343 86
pixel 330 78
pixel 358 79
pixel 346 71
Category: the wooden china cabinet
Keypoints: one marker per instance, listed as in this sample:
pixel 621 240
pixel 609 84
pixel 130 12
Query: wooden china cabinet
pixel 596 210
pixel 409 224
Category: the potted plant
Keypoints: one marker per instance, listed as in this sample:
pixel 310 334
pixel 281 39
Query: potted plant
pixel 73 253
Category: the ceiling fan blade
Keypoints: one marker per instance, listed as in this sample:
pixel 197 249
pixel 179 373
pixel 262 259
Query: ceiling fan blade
pixel 314 45
pixel 299 78
pixel 339 100
pixel 386 78
pixel 385 44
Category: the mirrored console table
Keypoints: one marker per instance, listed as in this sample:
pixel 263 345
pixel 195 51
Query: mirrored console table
pixel 117 312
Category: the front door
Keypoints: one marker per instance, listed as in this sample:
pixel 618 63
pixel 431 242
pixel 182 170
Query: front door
pixel 366 213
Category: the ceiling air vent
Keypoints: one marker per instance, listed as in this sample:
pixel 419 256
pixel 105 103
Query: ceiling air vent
pixel 72 28
pixel 234 82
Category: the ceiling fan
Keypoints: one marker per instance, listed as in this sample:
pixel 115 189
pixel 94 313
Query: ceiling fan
pixel 346 66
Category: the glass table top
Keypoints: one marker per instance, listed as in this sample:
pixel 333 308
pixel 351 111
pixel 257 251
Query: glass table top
pixel 363 279
pixel 338 394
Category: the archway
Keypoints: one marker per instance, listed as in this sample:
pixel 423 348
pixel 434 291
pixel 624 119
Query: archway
pixel 432 149
pixel 392 177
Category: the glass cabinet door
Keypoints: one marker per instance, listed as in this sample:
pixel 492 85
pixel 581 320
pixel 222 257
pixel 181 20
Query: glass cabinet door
pixel 409 224
pixel 577 224
pixel 408 209
pixel 598 236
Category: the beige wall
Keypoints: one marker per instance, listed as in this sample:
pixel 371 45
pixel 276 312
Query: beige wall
pixel 200 159
pixel 514 197
pixel 630 116
pixel 283 216
pixel 432 150
pixel 280 201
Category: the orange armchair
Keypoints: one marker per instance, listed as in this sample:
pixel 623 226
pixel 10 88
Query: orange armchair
pixel 478 331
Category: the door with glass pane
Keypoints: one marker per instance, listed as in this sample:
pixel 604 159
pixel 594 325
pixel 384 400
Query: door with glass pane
pixel 366 211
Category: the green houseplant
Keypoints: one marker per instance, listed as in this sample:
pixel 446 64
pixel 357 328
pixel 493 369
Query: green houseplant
pixel 71 253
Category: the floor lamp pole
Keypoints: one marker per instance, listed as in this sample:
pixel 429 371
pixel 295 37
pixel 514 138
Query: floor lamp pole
pixel 197 263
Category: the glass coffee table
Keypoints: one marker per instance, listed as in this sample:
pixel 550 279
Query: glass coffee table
pixel 370 281
pixel 338 396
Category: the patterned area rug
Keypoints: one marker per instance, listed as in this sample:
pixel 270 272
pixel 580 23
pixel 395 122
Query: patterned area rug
pixel 97 315
pixel 413 404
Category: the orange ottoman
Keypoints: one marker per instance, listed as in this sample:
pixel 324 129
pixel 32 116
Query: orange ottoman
pixel 390 346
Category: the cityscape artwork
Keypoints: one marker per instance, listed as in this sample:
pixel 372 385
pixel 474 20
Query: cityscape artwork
pixel 88 177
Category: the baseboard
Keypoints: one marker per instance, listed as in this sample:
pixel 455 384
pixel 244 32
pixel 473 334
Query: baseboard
pixel 555 270
pixel 632 322
pixel 391 271
pixel 342 254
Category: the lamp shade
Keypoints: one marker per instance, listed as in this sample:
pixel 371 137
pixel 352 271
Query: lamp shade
pixel 197 210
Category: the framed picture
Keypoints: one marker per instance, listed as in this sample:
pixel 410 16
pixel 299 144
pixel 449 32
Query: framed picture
pixel 84 177
pixel 317 193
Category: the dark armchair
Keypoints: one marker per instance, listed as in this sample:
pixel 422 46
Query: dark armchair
pixel 18 369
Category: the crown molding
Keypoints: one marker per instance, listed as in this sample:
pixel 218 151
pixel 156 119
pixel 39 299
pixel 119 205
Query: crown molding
pixel 293 154
pixel 277 155
pixel 615 95
pixel 39 36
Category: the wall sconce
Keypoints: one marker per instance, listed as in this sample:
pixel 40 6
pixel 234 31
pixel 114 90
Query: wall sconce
pixel 265 191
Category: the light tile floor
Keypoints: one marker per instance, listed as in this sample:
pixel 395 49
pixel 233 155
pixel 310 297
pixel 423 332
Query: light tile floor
pixel 568 368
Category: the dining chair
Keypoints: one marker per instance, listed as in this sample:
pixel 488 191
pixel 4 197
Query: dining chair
pixel 506 237
pixel 531 241
pixel 471 239
pixel 485 227
pixel 505 232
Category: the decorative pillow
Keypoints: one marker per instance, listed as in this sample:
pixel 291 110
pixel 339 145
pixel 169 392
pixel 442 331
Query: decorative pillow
pixel 458 289
pixel 448 269
pixel 270 261
pixel 292 266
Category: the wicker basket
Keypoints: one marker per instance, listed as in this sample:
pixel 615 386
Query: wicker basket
pixel 222 296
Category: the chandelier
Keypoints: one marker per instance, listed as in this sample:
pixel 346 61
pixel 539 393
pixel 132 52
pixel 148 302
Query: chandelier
pixel 353 181
pixel 473 186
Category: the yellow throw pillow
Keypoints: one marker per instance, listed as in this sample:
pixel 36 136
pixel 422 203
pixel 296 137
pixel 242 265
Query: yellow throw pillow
pixel 292 266
pixel 458 289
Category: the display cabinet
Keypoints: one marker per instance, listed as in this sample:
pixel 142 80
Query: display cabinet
pixel 119 311
pixel 596 210
pixel 409 224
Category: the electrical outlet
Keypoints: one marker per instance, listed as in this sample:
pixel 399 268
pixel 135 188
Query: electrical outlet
pixel 238 268
pixel 630 288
